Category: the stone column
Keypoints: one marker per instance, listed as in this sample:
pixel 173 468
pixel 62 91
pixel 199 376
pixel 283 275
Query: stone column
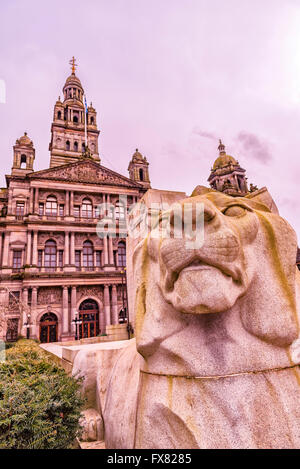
pixel 73 305
pixel 31 200
pixel 72 203
pixel 1 247
pixel 67 205
pixel 28 252
pixel 25 304
pixel 114 305
pixel 9 204
pixel 6 249
pixel 107 305
pixel 110 251
pixel 34 248
pixel 105 250
pixel 65 321
pixel 36 201
pixel 72 253
pixel 43 261
pixel 33 311
pixel 67 248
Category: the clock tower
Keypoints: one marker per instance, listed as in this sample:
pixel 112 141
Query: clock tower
pixel 74 132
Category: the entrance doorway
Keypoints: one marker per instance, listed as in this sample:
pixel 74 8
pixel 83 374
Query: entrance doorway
pixel 89 315
pixel 48 328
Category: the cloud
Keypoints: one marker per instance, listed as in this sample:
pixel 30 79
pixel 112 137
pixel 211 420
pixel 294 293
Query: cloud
pixel 252 145
pixel 203 133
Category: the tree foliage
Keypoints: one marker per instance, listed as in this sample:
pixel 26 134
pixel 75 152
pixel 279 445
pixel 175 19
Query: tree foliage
pixel 40 404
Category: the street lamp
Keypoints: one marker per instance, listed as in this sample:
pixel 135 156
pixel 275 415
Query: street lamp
pixel 125 309
pixel 27 325
pixel 77 322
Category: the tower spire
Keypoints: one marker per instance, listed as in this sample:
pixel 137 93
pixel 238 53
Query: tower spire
pixel 73 65
pixel 221 147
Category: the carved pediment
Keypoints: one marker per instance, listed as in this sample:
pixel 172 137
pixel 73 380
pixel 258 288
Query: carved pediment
pixel 85 172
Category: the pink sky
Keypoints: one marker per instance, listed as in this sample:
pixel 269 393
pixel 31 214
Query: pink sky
pixel 169 77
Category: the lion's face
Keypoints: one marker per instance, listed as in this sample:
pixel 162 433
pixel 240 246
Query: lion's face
pixel 246 264
pixel 211 278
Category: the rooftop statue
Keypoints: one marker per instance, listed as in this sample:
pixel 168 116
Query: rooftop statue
pixel 214 326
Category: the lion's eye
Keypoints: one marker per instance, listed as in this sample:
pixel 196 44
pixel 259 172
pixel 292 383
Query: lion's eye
pixel 234 211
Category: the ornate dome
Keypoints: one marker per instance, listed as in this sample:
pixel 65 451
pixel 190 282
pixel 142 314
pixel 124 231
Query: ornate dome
pixel 24 140
pixel 137 155
pixel 73 80
pixel 224 160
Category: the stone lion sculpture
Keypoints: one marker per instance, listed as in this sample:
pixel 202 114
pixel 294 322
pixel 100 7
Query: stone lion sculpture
pixel 214 327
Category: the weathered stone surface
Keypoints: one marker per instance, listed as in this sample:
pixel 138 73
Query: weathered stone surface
pixel 119 413
pixel 215 326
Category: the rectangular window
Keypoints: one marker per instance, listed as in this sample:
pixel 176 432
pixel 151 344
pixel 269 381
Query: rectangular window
pixel 51 207
pixel 17 259
pixel 97 212
pixel 60 258
pixel 77 260
pixel 98 258
pixel 20 209
pixel 41 209
pixel 40 258
pixel 76 211
pixel 61 210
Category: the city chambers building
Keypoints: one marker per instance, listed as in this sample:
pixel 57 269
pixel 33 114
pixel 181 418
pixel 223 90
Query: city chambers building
pixel 54 266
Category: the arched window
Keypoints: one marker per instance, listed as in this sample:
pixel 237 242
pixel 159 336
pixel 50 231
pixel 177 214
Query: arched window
pixel 87 209
pixel 75 146
pixel 23 161
pixel 50 255
pixel 83 147
pixel 59 115
pixel 92 120
pixel 141 172
pixel 88 255
pixel 75 119
pixel 48 328
pixel 89 315
pixel 51 206
pixel 122 254
pixel 67 145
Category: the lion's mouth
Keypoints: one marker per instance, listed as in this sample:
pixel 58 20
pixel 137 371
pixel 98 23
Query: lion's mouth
pixel 198 265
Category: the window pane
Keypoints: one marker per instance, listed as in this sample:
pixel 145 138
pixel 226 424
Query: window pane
pixel 20 208
pixel 98 258
pixel 122 255
pixel 77 260
pixel 40 258
pixel 87 209
pixel 17 257
pixel 51 206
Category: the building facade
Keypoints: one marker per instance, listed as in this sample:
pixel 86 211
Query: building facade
pixel 54 264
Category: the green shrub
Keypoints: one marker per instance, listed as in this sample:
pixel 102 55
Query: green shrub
pixel 40 404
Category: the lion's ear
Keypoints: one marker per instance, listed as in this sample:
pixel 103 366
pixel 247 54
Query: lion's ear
pixel 201 190
pixel 263 196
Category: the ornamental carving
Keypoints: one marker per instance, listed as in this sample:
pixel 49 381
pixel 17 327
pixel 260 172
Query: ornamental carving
pixel 43 237
pixel 43 194
pixel 49 295
pixel 94 291
pixel 85 172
